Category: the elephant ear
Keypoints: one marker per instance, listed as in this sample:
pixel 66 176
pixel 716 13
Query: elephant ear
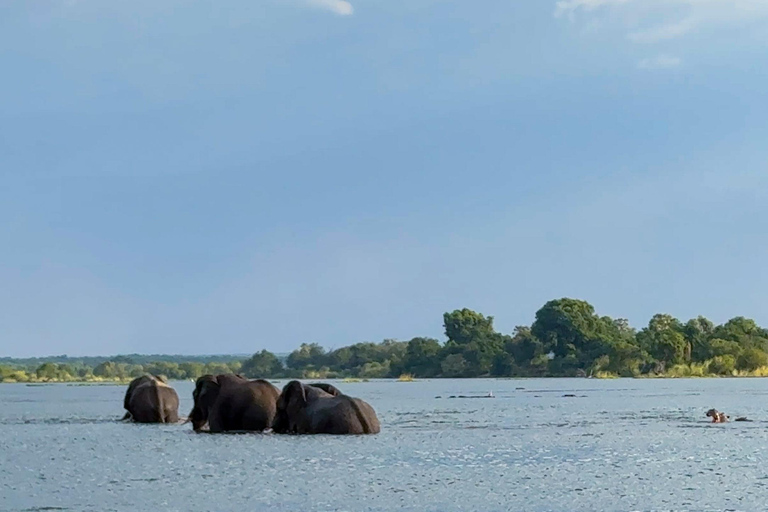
pixel 328 388
pixel 201 383
pixel 294 390
pixel 129 392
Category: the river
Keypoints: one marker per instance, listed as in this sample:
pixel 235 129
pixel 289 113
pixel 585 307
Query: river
pixel 617 445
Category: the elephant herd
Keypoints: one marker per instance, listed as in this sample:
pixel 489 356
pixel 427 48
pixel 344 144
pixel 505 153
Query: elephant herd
pixel 232 403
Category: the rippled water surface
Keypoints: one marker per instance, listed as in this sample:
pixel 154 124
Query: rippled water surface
pixel 616 445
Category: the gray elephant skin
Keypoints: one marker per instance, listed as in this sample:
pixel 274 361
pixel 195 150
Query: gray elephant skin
pixel 322 409
pixel 230 402
pixel 149 399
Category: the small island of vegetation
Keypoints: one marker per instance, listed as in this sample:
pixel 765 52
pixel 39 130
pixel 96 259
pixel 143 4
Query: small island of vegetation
pixel 566 339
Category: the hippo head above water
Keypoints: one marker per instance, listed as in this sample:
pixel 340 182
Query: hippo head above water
pixel 717 416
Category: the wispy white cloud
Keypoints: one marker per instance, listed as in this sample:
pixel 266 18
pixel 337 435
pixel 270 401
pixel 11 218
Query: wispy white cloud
pixel 663 21
pixel 660 62
pixel 663 32
pixel 564 7
pixel 340 7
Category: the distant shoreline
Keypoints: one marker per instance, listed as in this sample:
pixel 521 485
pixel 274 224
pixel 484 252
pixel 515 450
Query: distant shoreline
pixel 124 382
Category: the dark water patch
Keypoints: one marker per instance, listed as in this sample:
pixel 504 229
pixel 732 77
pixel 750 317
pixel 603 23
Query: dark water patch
pixel 672 394
pixel 579 390
pixel 468 396
pixel 267 432
pixel 59 421
pixel 41 509
pixel 425 414
pixel 661 416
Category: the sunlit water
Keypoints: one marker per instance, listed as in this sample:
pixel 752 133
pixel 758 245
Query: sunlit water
pixel 618 445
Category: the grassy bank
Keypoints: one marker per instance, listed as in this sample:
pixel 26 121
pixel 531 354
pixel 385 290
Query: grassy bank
pixel 690 371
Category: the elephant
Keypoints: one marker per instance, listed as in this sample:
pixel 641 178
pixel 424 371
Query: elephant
pixel 149 399
pixel 322 409
pixel 229 402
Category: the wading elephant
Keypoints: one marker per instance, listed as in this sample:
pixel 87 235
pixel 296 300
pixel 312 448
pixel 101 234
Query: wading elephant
pixel 322 409
pixel 231 402
pixel 149 399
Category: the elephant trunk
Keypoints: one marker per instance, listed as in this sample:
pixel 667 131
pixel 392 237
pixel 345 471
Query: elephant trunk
pixel 197 418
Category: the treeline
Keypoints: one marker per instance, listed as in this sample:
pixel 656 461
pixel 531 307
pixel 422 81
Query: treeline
pixel 92 361
pixel 567 338
pixel 111 371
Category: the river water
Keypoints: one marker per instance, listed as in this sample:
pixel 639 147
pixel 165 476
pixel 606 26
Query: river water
pixel 617 445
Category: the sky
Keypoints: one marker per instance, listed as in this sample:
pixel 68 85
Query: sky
pixel 205 177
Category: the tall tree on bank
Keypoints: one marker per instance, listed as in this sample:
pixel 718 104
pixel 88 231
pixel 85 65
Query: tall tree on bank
pixel 574 334
pixel 463 326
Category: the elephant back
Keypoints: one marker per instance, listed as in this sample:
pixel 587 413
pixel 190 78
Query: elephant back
pixel 263 407
pixel 369 422
pixel 242 404
pixel 150 400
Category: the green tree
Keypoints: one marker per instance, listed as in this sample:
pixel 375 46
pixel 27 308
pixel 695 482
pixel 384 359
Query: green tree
pixel 718 347
pixel 47 371
pixel 573 332
pixel 669 347
pixel 6 372
pixel 394 351
pixel 481 352
pixel 462 326
pixel 192 370
pixel 626 359
pixel 698 331
pixel 751 359
pixel 722 365
pixel 308 355
pixel 454 365
pixel 262 364
pixel 374 370
pixel 744 331
pixel 136 370
pixel 339 359
pixel 663 339
pixel 422 357
pixel 169 369
pixel 107 370
pixel 504 365
pixel 524 346
pixel 215 368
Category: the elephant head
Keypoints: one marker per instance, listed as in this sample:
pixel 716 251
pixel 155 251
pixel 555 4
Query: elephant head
pixel 205 394
pixel 290 403
pixel 293 400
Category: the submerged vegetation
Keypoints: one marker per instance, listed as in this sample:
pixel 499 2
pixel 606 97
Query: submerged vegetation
pixel 567 338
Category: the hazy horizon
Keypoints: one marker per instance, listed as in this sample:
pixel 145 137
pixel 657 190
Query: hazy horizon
pixel 192 178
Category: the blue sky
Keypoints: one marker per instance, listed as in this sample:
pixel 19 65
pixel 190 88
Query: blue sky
pixel 207 177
